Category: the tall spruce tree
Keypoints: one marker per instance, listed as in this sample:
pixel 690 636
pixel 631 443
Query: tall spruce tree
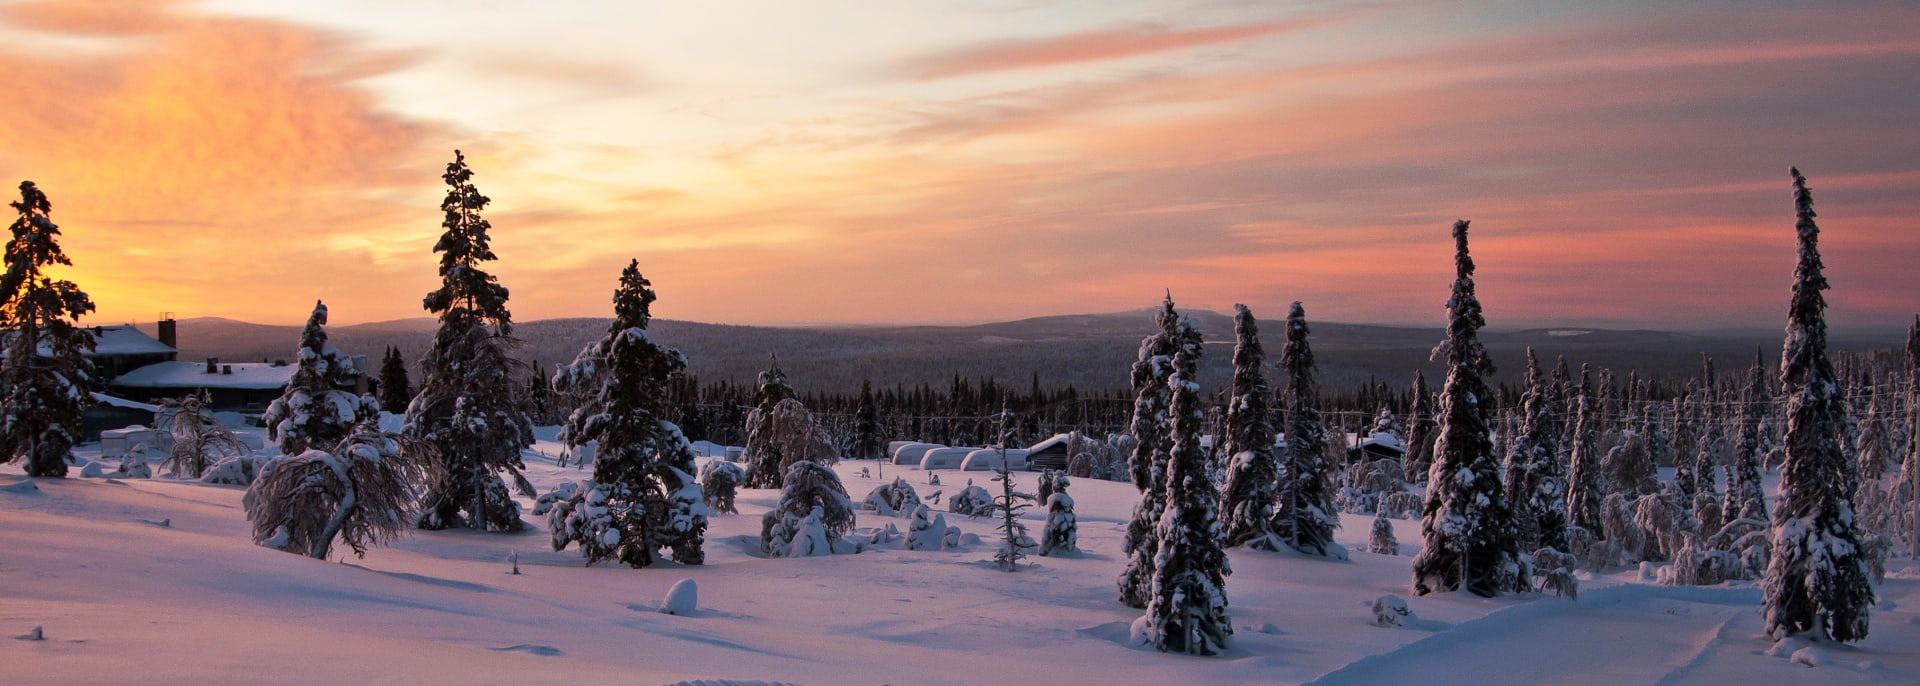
pixel 1817 579
pixel 643 497
pixel 1534 483
pixel 395 390
pixel 1907 489
pixel 471 404
pixel 1187 606
pixel 1252 471
pixel 1466 523
pixel 45 376
pixel 1153 436
pixel 316 411
pixel 1304 517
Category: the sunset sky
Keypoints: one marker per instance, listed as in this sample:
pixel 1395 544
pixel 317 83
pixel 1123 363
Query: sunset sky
pixel 869 161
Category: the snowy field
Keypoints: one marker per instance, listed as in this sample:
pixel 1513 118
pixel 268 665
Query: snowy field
pixel 156 581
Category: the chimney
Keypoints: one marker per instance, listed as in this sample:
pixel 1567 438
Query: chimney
pixel 213 365
pixel 168 335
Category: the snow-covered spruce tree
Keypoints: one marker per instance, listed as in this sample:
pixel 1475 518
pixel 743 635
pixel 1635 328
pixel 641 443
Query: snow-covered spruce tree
pixel 1304 517
pixel 1534 483
pixel 1246 500
pixel 358 490
pixel 1420 431
pixel 1381 540
pixel 314 411
pixel 199 440
pixel 1817 580
pixel 1153 443
pixel 44 377
pixel 643 497
pixel 471 405
pixel 813 516
pixel 1014 539
pixel 1187 608
pixel 1874 446
pixel 766 465
pixel 1905 493
pixel 395 390
pixel 1466 524
pixel 719 483
pixel 1062 532
pixel 867 443
pixel 1745 498
pixel 1584 492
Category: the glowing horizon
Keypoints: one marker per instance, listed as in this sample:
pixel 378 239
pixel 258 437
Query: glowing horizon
pixel 927 162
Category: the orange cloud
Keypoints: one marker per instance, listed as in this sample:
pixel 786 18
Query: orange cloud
pixel 208 165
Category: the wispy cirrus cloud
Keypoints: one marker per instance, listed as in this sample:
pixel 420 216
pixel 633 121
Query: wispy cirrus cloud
pixel 1093 46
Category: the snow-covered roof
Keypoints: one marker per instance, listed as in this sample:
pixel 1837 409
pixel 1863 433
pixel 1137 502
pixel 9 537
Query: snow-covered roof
pixel 112 401
pixel 1058 439
pixel 248 375
pixel 126 340
pixel 1385 440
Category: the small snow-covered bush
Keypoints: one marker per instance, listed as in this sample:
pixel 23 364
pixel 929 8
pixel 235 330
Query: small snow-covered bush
pixel 1392 610
pixel 1554 571
pixel 928 531
pixel 238 470
pixel 892 499
pixel 813 516
pixel 199 439
pixel 973 501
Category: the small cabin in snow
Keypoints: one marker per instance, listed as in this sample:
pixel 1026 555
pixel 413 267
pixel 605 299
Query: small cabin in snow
pixel 1050 453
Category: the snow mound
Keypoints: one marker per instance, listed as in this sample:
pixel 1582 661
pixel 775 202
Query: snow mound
pixel 1391 610
pixel 1811 657
pixel 681 599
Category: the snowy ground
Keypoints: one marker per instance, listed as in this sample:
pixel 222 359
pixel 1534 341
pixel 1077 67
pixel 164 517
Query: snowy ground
pixel 155 581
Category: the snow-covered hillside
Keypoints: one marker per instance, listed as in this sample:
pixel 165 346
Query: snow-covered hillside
pixel 156 581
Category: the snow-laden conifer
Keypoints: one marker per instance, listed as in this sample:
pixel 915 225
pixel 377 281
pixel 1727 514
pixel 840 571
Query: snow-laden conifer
pixel 1246 499
pixel 1062 531
pixel 1187 605
pixel 1153 442
pixel 719 483
pixel 1535 484
pixel 813 516
pixel 1745 499
pixel 643 497
pixel 767 451
pixel 1817 580
pixel 471 403
pixel 1466 525
pixel 1420 431
pixel 45 375
pixel 867 442
pixel 1304 517
pixel 317 409
pixel 358 490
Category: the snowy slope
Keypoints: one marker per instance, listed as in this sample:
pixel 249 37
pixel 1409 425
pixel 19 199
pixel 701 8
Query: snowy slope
pixel 155 581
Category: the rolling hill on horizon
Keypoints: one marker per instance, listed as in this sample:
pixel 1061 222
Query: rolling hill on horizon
pixel 1089 351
